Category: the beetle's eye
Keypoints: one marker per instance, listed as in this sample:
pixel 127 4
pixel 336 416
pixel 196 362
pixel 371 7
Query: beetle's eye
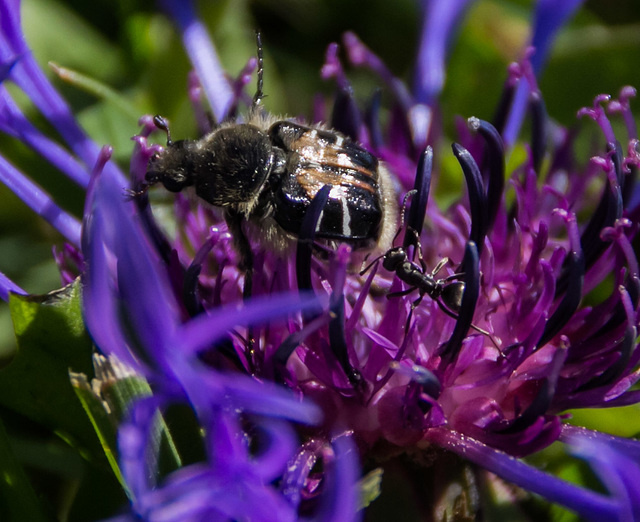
pixel 174 181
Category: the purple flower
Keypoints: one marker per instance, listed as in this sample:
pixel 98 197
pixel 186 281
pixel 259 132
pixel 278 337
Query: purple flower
pixel 324 366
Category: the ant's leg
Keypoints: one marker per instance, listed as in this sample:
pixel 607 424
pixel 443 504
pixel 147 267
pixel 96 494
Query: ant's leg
pixel 453 277
pixel 472 326
pixel 439 266
pixel 418 249
pixel 414 305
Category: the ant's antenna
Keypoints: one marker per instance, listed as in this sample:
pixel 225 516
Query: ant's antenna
pixel 404 209
pixel 257 98
pixel 402 213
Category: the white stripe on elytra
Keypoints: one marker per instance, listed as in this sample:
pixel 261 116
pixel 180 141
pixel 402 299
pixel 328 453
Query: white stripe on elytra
pixel 346 218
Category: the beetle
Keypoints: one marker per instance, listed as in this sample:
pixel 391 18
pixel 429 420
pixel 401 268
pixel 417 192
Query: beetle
pixel 267 170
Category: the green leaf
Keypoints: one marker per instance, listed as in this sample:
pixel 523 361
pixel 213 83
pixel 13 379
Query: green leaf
pixel 97 89
pixel 120 394
pixel 51 340
pixel 18 501
pixel 106 401
pixel 102 422
pixel 370 487
pixel 77 44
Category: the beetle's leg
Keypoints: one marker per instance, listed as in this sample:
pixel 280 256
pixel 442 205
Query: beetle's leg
pixel 234 222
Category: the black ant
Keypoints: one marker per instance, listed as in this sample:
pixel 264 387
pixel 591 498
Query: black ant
pixel 446 292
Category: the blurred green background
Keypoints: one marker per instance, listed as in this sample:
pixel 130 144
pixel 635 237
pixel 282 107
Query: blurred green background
pixel 133 51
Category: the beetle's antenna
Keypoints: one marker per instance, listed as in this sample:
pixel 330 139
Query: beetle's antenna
pixel 257 98
pixel 162 124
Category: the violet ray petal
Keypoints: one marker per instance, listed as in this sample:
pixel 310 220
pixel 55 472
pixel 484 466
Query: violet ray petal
pixel 100 304
pixel 200 492
pixel 550 16
pixel 441 18
pixel 203 56
pixel 591 505
pixel 281 441
pixel 619 473
pixel 32 80
pixel 26 73
pixel 6 286
pixel 10 22
pixel 40 202
pixel 341 497
pixel 142 287
pixel 13 122
pixel 251 396
pixel 145 290
pixel 623 445
pixel 6 64
pixel 133 437
pixel 203 330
